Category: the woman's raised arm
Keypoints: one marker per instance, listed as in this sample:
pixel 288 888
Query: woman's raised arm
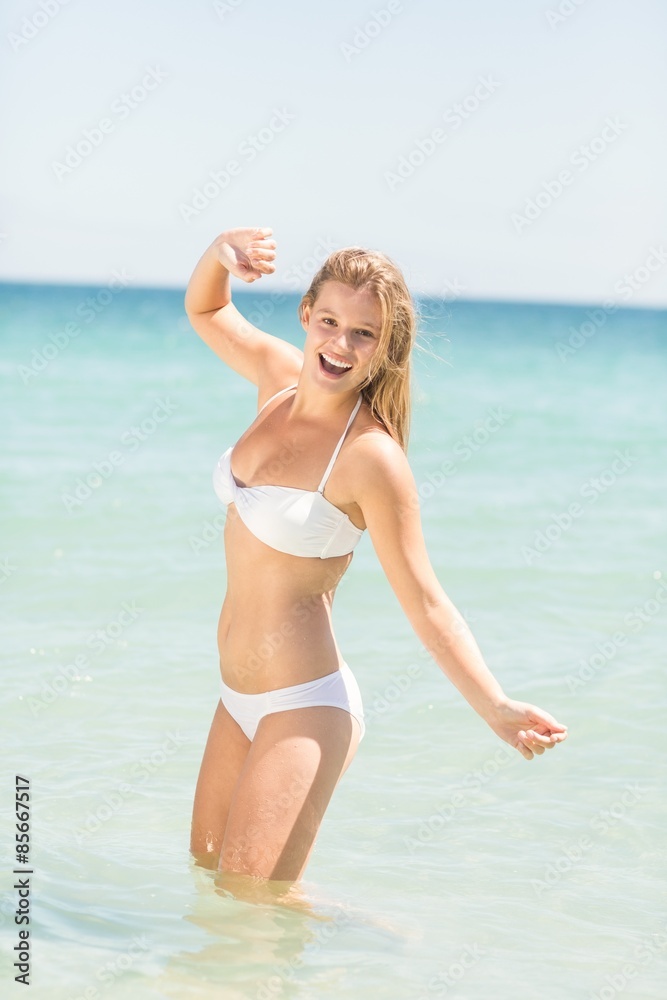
pixel 247 254
pixel 388 498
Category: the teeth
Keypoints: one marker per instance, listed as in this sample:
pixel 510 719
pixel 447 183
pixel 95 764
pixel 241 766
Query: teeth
pixel 332 361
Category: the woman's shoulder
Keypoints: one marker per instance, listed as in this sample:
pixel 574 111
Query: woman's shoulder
pixel 377 468
pixel 372 431
pixel 282 369
pixel 374 449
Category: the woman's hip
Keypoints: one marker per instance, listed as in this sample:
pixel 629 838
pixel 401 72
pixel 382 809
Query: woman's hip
pixel 338 689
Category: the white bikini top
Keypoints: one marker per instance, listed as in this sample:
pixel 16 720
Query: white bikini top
pixel 298 522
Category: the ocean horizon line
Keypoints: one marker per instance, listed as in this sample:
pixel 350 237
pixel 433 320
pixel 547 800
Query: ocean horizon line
pixel 297 293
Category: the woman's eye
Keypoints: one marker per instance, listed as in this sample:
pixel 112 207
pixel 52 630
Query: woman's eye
pixel 364 333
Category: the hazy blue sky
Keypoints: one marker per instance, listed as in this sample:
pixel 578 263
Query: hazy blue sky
pixel 115 114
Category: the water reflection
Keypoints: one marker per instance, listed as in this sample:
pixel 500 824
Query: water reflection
pixel 264 939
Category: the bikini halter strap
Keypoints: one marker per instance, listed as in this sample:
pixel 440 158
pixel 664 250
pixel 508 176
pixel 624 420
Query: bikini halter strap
pixel 330 466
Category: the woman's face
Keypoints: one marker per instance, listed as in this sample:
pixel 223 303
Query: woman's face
pixel 343 326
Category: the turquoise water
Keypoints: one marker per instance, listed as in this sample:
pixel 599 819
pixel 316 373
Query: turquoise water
pixel 446 865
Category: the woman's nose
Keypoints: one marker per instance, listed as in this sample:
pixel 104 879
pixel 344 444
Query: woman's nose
pixel 341 342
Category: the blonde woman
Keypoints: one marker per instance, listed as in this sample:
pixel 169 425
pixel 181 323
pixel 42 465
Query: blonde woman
pixel 323 461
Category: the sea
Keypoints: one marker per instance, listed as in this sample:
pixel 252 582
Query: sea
pixel 447 865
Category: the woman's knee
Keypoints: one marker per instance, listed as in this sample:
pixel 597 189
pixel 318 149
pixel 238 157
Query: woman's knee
pixel 206 837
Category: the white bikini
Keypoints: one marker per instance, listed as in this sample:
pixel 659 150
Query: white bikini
pixel 300 523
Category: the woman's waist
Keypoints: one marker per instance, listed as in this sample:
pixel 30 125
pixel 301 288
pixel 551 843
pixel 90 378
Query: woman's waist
pixel 279 676
pixel 259 606
pixel 273 652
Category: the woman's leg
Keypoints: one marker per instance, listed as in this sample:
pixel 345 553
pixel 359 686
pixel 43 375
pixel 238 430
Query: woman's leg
pixel 294 763
pixel 225 754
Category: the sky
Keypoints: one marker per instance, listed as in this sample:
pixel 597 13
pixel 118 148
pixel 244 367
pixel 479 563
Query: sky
pixel 510 150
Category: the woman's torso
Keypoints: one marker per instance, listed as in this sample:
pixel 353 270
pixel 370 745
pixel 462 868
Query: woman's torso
pixel 275 627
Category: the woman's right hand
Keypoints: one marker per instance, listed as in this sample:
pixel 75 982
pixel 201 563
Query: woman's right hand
pixel 246 253
pixel 527 728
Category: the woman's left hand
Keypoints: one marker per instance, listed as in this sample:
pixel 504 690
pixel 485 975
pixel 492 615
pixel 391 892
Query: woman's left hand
pixel 527 728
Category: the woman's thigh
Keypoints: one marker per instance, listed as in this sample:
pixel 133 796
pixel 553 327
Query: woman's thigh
pixel 224 756
pixel 294 763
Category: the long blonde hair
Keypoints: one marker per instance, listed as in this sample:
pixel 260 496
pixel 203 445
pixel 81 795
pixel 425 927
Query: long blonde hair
pixel 386 389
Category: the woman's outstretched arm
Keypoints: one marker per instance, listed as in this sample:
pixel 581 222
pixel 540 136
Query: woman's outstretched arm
pixel 388 498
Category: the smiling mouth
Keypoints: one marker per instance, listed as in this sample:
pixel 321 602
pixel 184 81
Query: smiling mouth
pixel 332 367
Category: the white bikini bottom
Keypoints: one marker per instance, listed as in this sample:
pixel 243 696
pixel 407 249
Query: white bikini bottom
pixel 339 689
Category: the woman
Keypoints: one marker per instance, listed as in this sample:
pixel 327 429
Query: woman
pixel 323 461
